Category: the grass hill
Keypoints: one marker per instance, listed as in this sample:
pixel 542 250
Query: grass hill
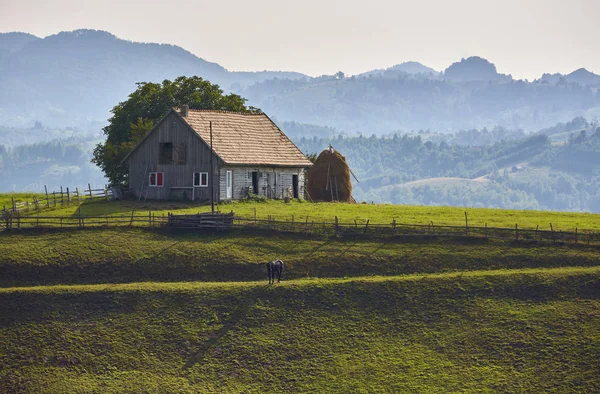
pixel 347 213
pixel 509 331
pixel 133 310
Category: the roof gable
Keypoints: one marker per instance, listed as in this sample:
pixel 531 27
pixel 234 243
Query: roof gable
pixel 246 138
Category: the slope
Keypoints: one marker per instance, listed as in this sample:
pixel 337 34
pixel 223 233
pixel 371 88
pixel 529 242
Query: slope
pixel 506 331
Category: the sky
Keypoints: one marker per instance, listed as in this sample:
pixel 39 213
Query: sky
pixel 524 38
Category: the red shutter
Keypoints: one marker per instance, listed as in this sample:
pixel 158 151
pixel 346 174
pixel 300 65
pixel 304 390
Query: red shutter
pixel 204 179
pixel 160 179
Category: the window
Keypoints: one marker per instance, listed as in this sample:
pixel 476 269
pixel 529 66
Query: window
pixel 165 153
pixel 156 179
pixel 200 179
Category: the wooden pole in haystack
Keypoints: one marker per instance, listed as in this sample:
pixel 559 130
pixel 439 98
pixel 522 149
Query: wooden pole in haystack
pixel 47 198
pixel 212 174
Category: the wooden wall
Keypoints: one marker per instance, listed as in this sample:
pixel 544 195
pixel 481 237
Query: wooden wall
pixel 145 159
pixel 273 182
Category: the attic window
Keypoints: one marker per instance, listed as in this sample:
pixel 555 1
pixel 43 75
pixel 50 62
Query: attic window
pixel 165 153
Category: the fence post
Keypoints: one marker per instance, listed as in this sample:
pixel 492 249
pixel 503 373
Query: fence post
pixel 576 235
pixel 466 224
pixel 516 232
pixel 79 215
pixel 536 232
pixel 150 218
pixel 394 227
pixel 90 189
pixel 54 198
pixel 47 198
pixel 14 207
pixel 106 193
pixel 68 196
pixel 37 204
pixel 77 192
pixel 131 221
pixel 366 226
pixel 336 226
pixel 62 197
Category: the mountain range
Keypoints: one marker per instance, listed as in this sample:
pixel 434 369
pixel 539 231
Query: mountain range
pixel 75 78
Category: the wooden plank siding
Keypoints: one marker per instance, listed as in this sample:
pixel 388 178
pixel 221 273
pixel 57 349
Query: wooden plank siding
pixel 273 182
pixel 145 159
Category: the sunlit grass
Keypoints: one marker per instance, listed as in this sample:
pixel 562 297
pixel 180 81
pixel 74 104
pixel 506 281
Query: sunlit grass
pixel 521 331
pixel 348 213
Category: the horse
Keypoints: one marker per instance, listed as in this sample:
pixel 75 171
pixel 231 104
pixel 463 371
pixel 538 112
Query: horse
pixel 274 267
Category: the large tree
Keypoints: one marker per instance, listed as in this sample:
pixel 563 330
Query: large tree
pixel 133 118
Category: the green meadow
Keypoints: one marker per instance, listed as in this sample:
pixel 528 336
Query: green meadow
pixel 530 330
pixel 348 213
pixel 147 310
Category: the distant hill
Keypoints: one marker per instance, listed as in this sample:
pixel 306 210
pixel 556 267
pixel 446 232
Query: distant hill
pixel 474 69
pixel 406 67
pixel 12 42
pixel 580 76
pixel 76 77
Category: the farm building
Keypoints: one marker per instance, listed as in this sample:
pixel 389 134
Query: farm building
pixel 250 155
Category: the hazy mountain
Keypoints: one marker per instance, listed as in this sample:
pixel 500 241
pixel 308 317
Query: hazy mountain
pixel 12 42
pixel 76 77
pixel 474 69
pixel 406 67
pixel 580 76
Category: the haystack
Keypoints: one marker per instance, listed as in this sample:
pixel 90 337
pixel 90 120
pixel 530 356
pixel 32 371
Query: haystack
pixel 329 178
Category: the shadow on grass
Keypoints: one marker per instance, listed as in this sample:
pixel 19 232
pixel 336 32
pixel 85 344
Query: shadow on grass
pixel 236 317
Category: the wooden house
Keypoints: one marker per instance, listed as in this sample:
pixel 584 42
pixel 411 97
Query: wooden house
pixel 250 154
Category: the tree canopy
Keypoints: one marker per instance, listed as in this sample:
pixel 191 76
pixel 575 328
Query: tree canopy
pixel 133 118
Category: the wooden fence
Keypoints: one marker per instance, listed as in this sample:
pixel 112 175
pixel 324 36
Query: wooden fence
pixel 366 229
pixel 52 199
pixel 202 221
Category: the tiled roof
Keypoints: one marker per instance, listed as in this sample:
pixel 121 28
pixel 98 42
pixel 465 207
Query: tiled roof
pixel 246 138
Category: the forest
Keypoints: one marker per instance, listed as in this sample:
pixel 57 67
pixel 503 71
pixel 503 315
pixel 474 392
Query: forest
pixel 479 168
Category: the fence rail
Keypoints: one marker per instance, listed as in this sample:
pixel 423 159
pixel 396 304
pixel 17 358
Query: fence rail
pixel 64 197
pixel 224 222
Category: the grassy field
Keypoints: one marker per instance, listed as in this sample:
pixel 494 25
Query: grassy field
pixel 110 310
pixel 347 213
pixel 533 330
pixel 6 198
pixel 134 254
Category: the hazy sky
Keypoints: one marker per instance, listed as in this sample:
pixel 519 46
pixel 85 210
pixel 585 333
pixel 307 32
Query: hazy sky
pixel 522 37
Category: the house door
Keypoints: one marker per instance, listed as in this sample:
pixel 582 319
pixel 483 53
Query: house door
pixel 229 184
pixel 255 182
pixel 295 185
